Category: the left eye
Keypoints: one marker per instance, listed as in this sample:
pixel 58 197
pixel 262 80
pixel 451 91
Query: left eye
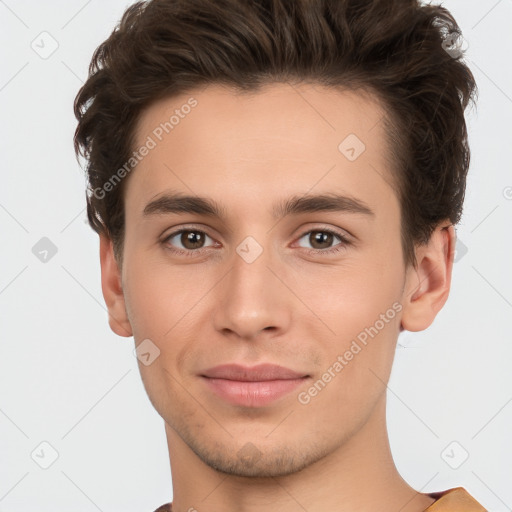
pixel 322 239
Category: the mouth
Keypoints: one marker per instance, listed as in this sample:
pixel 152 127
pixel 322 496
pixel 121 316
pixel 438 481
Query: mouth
pixel 252 386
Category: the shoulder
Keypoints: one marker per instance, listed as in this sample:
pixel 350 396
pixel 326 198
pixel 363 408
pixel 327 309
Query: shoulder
pixel 456 499
pixel 164 508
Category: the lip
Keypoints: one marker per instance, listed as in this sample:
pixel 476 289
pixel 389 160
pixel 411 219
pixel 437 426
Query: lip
pixel 255 386
pixel 260 372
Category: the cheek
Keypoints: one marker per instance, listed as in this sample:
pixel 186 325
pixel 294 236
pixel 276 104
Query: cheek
pixel 360 303
pixel 160 307
pixel 158 296
pixel 352 295
pixel 356 360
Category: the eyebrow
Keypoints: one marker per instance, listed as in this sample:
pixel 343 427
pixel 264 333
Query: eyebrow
pixel 180 203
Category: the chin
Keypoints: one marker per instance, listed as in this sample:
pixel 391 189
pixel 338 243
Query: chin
pixel 255 461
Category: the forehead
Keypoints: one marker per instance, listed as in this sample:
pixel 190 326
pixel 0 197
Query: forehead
pixel 282 138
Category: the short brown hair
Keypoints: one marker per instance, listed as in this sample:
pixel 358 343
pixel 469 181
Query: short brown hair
pixel 395 49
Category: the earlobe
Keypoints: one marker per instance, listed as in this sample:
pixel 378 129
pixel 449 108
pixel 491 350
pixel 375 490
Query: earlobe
pixel 428 285
pixel 112 289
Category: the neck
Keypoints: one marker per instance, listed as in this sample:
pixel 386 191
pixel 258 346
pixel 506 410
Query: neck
pixel 359 476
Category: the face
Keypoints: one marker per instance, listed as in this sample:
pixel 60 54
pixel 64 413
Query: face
pixel 293 258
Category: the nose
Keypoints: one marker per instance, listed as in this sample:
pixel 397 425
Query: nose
pixel 252 299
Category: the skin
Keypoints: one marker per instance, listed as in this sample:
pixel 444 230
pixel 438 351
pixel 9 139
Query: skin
pixel 289 307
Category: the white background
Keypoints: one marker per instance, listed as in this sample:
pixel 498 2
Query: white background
pixel 66 379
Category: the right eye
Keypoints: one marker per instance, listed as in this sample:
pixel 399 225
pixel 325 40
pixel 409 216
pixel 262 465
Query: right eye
pixel 191 241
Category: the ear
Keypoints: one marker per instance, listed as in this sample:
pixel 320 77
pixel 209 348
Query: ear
pixel 112 289
pixel 428 285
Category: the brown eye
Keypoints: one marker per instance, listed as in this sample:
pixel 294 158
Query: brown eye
pixel 323 241
pixel 320 239
pixel 192 239
pixel 187 240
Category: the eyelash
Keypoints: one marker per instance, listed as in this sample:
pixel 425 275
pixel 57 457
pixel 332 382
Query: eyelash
pixel 344 242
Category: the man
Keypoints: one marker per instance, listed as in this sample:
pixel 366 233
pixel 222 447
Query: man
pixel 275 185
